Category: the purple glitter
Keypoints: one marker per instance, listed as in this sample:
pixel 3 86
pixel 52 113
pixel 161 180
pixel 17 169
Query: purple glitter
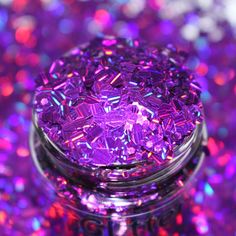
pixel 34 32
pixel 116 101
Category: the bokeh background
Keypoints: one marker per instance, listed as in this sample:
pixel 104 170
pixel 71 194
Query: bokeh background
pixel 34 32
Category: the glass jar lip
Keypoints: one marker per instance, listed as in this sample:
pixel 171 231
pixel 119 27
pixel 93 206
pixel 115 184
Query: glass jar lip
pixel 122 173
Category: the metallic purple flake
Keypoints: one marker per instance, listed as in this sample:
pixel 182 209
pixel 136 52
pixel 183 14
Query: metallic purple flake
pixel 116 102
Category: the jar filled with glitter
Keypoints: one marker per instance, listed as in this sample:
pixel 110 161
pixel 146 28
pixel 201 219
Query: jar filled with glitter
pixel 119 134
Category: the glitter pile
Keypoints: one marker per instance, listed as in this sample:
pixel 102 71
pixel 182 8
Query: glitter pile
pixel 117 102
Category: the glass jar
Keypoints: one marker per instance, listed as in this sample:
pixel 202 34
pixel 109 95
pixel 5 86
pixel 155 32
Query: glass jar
pixel 119 134
pixel 126 206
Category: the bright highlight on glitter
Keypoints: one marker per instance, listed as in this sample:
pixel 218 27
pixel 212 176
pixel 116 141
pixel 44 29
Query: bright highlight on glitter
pixel 208 189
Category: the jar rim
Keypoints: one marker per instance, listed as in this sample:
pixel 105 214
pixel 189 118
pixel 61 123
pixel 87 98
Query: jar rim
pixel 121 173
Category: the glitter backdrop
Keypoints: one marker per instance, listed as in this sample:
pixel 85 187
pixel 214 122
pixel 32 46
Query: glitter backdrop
pixel 33 33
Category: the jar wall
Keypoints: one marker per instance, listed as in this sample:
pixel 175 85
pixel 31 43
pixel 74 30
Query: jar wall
pixel 148 220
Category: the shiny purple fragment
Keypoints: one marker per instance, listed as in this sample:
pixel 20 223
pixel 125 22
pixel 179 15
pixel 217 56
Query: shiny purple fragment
pixel 115 101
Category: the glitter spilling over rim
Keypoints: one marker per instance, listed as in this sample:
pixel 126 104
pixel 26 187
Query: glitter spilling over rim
pixel 120 173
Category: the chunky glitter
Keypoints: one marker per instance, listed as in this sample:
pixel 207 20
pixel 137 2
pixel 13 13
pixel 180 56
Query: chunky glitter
pixel 118 101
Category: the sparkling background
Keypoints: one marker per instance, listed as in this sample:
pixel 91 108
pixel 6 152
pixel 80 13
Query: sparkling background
pixel 33 33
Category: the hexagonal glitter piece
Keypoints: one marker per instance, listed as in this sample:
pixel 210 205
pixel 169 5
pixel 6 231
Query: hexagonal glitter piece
pixel 116 101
